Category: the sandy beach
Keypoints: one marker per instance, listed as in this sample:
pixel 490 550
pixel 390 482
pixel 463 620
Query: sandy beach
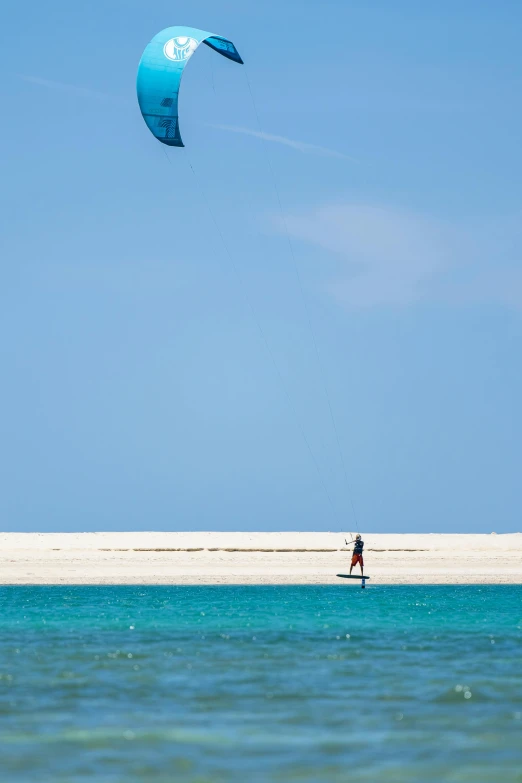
pixel 255 558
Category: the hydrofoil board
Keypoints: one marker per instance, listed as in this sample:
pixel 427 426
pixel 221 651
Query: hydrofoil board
pixel 353 576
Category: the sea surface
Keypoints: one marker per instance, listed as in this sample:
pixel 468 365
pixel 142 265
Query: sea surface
pixel 247 684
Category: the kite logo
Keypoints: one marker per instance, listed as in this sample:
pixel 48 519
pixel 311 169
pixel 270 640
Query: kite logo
pixel 180 49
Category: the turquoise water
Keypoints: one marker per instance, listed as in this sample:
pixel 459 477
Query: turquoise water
pixel 261 684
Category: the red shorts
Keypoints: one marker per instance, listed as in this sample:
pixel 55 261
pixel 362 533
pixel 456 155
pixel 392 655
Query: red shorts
pixel 357 559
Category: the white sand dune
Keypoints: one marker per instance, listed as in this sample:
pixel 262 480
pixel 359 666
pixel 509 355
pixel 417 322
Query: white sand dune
pixel 255 558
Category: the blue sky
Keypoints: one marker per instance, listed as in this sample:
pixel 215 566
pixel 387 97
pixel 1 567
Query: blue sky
pixel 137 390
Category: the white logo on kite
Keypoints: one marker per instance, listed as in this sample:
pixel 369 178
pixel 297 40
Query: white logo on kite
pixel 181 48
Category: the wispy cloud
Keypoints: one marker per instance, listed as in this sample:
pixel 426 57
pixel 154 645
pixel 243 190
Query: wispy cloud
pixel 389 256
pixel 83 92
pixel 300 146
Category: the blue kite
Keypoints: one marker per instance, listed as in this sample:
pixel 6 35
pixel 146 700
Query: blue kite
pixel 159 75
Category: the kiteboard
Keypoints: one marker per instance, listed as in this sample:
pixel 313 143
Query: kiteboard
pixel 353 576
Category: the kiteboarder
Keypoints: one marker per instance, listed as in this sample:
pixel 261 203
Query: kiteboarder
pixel 357 556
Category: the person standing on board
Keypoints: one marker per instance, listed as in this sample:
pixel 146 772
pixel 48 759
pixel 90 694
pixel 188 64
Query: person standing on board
pixel 357 556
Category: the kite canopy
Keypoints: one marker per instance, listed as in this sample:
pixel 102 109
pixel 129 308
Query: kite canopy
pixel 159 75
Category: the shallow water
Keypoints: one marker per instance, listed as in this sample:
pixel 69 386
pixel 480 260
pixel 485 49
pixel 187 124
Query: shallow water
pixel 261 684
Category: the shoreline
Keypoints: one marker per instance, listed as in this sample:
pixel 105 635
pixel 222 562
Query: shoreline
pixel 207 558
